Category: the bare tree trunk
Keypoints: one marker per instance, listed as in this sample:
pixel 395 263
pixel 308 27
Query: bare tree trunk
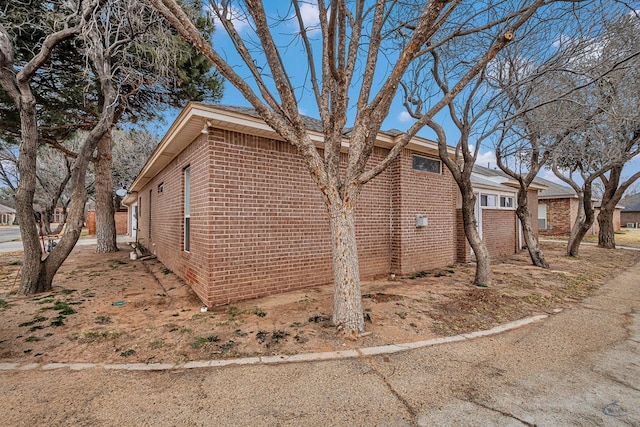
pixel 32 255
pixel 483 261
pixel 347 300
pixel 584 221
pixel 105 215
pixel 606 234
pixel 524 215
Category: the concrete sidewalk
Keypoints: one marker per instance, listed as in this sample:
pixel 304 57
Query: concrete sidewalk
pixel 17 245
pixel 578 367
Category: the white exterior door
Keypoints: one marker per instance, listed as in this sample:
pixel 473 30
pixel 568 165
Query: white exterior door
pixel 134 221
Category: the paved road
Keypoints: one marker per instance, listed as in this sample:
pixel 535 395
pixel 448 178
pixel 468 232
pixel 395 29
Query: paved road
pixel 580 367
pixel 9 233
pixel 17 246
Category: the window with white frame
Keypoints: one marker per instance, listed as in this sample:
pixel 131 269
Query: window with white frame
pixel 506 201
pixel 187 209
pixel 542 216
pixel 488 200
pixel 497 201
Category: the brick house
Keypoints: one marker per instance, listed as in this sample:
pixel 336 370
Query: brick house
pixel 499 227
pixel 558 208
pixel 229 206
pixel 630 214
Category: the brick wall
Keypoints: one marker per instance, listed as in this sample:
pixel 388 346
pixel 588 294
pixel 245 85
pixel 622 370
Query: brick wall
pixel 270 227
pixel 627 217
pixel 463 249
pixel 499 232
pixel 120 219
pixel 560 216
pixel 259 225
pixel 258 222
pixel 425 193
pixel 167 220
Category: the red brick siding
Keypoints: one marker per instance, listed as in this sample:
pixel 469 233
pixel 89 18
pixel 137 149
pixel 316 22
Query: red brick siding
pixel 271 230
pixel 463 250
pixel 434 195
pixel 499 232
pixel 120 218
pixel 168 217
pixel 627 217
pixel 560 216
pixel 259 225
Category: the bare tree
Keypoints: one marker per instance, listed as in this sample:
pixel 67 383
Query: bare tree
pixel 72 19
pixel 467 117
pixel 131 149
pixel 622 119
pixel 533 122
pixel 607 75
pixel 354 40
pixel 151 69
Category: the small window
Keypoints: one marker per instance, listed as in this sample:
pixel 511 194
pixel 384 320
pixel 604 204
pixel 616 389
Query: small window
pixel 488 200
pixel 161 187
pixel 187 209
pixel 426 164
pixel 506 202
pixel 542 217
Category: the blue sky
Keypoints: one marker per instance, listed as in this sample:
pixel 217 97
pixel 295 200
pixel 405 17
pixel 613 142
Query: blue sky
pixel 398 118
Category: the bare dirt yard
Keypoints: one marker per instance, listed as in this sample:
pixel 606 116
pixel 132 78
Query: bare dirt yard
pixel 110 309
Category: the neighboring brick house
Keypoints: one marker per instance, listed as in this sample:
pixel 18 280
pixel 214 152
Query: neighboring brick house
pixel 499 227
pixel 630 214
pixel 231 208
pixel 558 209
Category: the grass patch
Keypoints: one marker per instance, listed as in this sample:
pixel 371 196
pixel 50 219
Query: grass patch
pixel 4 305
pixel 419 275
pixel 233 311
pixel 58 321
pixel 63 308
pixel 34 321
pixel 33 339
pixel 156 344
pixel 261 336
pixel 204 342
pixel 127 353
pixel 96 335
pixel 103 320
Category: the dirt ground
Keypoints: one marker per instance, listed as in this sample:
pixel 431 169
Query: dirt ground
pixel 110 309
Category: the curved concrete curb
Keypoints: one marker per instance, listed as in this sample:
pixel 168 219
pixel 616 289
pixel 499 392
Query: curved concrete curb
pixel 307 357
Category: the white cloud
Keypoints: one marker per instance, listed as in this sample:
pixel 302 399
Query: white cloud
pixel 550 176
pixel 239 19
pixel 310 15
pixel 486 159
pixel 404 117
